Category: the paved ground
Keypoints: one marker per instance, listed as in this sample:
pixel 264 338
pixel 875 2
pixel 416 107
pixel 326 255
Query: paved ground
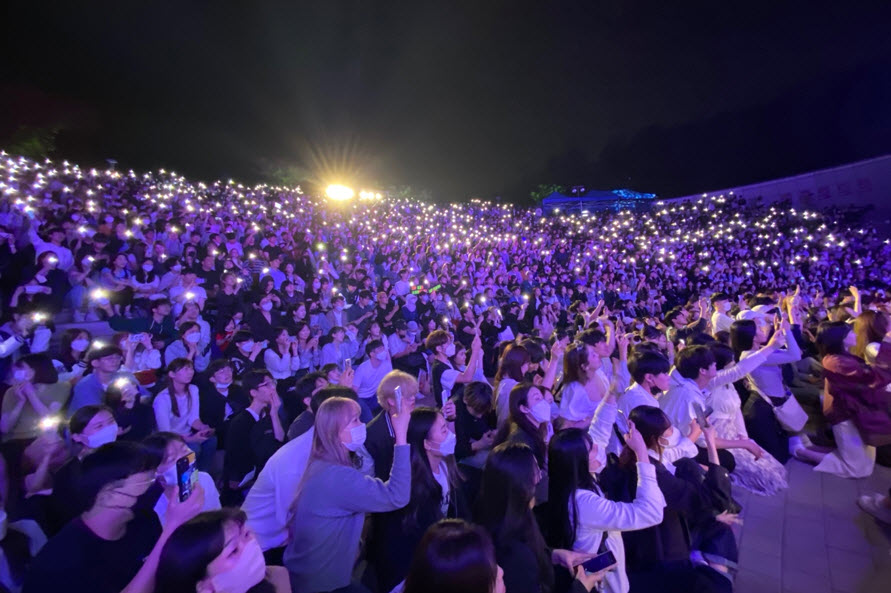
pixel 813 538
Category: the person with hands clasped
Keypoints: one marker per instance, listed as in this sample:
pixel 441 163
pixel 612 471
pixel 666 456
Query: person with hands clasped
pixel 334 497
pixel 177 409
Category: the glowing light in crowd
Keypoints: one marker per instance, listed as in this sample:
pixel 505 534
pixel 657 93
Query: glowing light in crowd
pixel 339 193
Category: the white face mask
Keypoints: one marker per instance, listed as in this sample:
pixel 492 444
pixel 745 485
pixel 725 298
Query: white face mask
pixel 193 338
pixel 102 436
pixel 20 375
pixel 247 346
pixel 148 267
pixel 450 349
pixel 169 475
pixel 447 446
pixel 267 306
pixel 80 345
pixel 381 356
pixel 250 570
pixel 223 386
pixel 672 439
pixel 357 437
pixel 541 411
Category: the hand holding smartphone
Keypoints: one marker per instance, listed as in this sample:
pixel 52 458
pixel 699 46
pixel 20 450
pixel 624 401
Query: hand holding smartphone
pixel 600 562
pixel 186 475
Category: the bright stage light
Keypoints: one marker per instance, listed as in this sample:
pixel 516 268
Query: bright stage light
pixel 339 192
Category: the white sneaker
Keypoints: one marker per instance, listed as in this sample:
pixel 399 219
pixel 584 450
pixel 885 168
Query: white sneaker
pixel 874 505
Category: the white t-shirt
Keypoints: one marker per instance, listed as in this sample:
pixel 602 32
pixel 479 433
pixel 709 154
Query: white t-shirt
pixel 368 378
pixel 443 479
pixel 188 411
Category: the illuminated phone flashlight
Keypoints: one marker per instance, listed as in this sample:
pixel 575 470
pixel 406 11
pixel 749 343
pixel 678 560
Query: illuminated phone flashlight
pixel 190 296
pixel 99 294
pixel 49 422
pixel 38 317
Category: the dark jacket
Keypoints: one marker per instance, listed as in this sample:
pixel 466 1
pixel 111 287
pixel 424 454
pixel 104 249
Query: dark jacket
pixel 379 441
pixel 395 537
pixel 213 403
pixel 693 498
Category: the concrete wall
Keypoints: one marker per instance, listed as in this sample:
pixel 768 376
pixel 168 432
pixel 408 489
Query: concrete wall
pixel 863 183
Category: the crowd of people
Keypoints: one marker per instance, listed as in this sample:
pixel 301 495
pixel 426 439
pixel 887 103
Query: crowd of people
pixel 221 389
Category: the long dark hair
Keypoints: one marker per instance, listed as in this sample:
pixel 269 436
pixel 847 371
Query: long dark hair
pixel 519 396
pixel 175 365
pixel 503 505
pixel 831 338
pixel 454 556
pixel 425 490
pixel 742 336
pixel 651 422
pixel 194 545
pixel 512 360
pixel 567 472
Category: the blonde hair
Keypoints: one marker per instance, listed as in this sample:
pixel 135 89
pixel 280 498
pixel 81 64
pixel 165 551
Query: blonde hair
pixel 387 388
pixel 331 418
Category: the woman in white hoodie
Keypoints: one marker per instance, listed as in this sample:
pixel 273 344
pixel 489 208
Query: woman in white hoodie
pixel 580 517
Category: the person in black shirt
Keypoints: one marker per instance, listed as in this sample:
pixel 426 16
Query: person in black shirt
pixel 110 546
pixel 443 375
pixel 254 434
pixel 380 438
pixel 475 422
pixel 135 419
pixel 243 353
pixel 220 398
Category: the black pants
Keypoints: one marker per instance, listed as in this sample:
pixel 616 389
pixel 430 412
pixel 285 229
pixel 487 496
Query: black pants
pixel 725 458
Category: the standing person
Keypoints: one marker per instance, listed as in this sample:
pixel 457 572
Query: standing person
pixel 178 409
pixel 334 496
pixel 580 517
pixel 855 399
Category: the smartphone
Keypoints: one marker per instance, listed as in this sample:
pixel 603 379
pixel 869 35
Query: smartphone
pixel 599 562
pixel 701 416
pixel 398 393
pixel 347 364
pixel 186 475
pixel 135 338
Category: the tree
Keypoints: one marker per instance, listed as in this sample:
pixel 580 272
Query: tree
pixel 34 143
pixel 544 190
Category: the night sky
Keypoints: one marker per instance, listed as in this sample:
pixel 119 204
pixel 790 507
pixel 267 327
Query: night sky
pixel 467 99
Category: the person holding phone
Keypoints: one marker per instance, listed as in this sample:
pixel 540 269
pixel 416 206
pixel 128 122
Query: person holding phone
pixel 579 516
pixel 436 492
pixel 329 512
pixel 381 434
pixel 170 448
pixel 504 508
pixel 699 510
pixel 113 545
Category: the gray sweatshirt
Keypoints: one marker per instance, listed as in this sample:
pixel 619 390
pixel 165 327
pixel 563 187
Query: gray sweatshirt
pixel 329 516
